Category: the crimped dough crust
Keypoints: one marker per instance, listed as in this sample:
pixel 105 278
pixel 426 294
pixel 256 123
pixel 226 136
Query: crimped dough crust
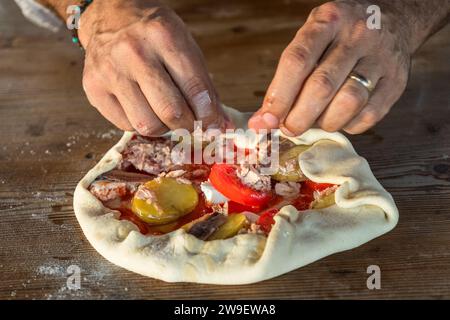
pixel 363 211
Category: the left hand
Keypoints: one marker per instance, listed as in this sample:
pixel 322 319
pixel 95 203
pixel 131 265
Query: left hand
pixel 311 84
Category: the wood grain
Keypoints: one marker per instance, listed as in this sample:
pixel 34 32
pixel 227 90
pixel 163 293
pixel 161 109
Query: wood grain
pixel 50 137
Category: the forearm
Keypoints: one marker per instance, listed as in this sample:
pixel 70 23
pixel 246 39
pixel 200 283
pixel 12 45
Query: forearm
pixel 59 6
pixel 97 17
pixel 422 18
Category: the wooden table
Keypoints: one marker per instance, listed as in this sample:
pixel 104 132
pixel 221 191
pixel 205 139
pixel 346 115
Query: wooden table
pixel 50 137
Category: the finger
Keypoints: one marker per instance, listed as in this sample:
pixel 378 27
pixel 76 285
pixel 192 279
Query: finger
pixel 350 99
pixel 377 107
pixel 110 108
pixel 163 95
pixel 188 71
pixel 296 63
pixel 138 110
pixel 320 88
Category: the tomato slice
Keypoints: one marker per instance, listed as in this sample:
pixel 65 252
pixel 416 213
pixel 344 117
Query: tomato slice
pixel 234 207
pixel 223 177
pixel 303 201
pixel 314 186
pixel 306 196
pixel 266 220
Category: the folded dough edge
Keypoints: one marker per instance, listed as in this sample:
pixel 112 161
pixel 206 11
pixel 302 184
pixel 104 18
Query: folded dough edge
pixel 363 211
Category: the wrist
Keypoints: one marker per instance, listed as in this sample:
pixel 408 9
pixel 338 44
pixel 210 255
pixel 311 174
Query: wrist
pixel 112 15
pixel 87 23
pixel 60 8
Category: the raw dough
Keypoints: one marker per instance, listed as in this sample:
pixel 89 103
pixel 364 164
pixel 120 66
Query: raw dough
pixel 363 211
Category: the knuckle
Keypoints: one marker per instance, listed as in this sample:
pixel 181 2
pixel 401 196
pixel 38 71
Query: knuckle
pixel 325 83
pixel 274 100
pixel 91 83
pixel 158 24
pixel 193 86
pixel 294 126
pixel 347 49
pixel 106 68
pixel 329 126
pixel 164 31
pixel 169 111
pixel 315 28
pixel 127 47
pixel 296 56
pixel 114 78
pixel 329 12
pixel 359 32
pixel 354 97
pixel 161 18
pixel 370 117
pixel 129 44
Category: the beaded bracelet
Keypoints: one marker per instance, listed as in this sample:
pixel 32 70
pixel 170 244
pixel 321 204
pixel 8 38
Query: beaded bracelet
pixel 82 7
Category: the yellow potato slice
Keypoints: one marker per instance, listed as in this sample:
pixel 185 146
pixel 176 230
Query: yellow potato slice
pixel 289 167
pixel 235 222
pixel 172 200
pixel 324 202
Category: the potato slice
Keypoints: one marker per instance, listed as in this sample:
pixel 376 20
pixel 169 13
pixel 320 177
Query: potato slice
pixel 230 228
pixel 289 167
pixel 324 202
pixel 170 200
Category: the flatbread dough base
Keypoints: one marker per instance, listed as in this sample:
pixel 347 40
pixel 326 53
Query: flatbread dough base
pixel 363 211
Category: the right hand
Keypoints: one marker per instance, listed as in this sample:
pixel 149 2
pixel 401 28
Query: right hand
pixel 143 70
pixel 311 85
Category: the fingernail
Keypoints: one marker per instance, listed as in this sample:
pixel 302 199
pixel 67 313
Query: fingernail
pixel 270 120
pixel 287 132
pixel 202 101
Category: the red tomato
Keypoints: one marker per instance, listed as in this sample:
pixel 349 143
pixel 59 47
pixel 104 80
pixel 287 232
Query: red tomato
pixel 223 177
pixel 317 186
pixel 266 220
pixel 234 207
pixel 306 195
pixel 303 201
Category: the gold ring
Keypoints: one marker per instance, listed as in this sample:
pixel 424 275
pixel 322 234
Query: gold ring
pixel 366 83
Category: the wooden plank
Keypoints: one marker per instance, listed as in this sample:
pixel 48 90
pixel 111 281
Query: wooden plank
pixel 50 137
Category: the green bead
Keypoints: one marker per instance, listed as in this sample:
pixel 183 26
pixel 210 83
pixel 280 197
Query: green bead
pixel 75 39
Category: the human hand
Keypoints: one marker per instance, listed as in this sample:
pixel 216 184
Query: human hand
pixel 143 70
pixel 311 84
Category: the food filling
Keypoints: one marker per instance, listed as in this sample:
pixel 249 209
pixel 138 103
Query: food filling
pixel 210 202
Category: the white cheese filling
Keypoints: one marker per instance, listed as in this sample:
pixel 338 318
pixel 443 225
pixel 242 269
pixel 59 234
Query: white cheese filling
pixel 211 194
